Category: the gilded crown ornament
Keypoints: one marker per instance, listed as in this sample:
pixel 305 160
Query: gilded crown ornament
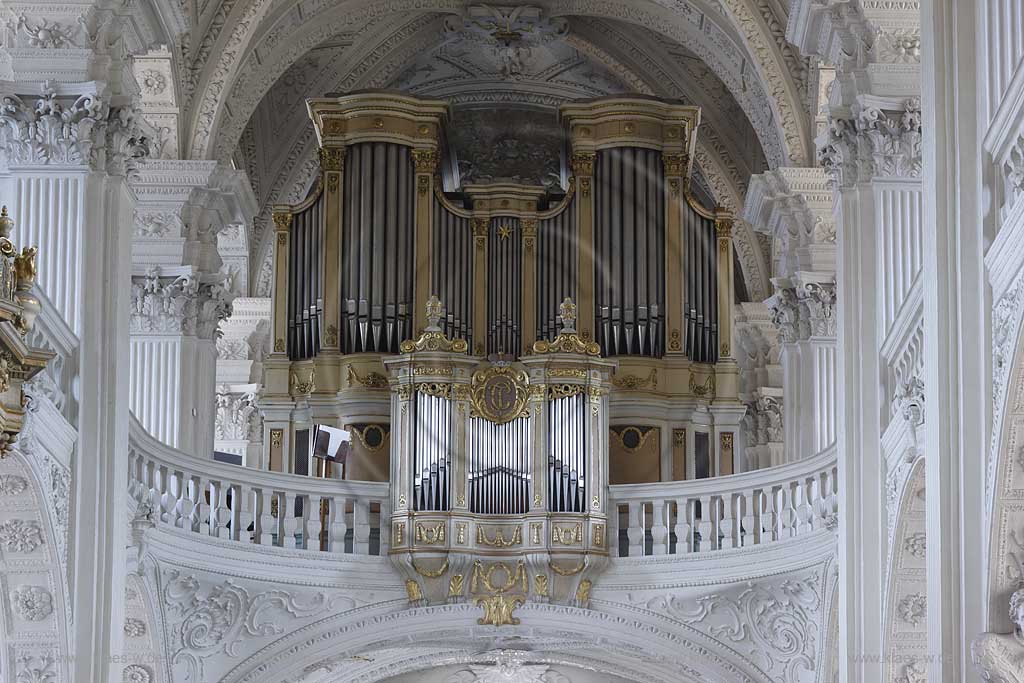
pixel 568 340
pixel 433 338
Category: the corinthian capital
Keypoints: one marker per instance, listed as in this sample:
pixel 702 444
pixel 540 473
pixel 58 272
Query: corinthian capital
pixel 177 305
pixel 82 130
pixel 785 308
pixel 882 139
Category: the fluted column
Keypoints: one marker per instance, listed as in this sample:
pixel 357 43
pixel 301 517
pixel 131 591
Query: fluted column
pixel 872 155
pixel 181 291
pixel 794 206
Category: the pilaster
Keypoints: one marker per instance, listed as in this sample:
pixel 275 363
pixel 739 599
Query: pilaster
pixel 181 291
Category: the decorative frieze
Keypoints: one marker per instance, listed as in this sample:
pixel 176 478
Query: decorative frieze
pixel 177 305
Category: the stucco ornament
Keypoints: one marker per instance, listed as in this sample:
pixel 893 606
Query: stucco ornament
pixel 12 484
pixel 32 603
pixel 776 623
pixel 136 673
pixel 21 536
pixel 913 609
pixel 218 619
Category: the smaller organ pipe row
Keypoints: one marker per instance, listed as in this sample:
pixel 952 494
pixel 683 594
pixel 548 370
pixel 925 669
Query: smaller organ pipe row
pixel 701 286
pixel 567 451
pixel 557 268
pixel 432 452
pixel 504 286
pixel 452 274
pixel 499 466
pixel 306 277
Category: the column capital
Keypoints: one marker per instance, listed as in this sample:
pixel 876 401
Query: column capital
pixel 876 138
pixel 72 127
pixel 177 302
pixel 795 207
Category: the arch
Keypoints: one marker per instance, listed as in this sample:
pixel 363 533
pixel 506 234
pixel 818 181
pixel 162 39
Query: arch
pixel 1005 485
pixel 655 647
pixel 214 129
pixel 905 624
pixel 35 617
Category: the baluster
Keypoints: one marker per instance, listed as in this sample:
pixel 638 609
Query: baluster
pixel 241 515
pixel 383 527
pixel 787 514
pixel 635 531
pixel 134 472
pixel 287 520
pixel 221 513
pixel 766 512
pixel 704 526
pixel 361 527
pixel 659 529
pixel 802 506
pixel 748 531
pixel 814 502
pixel 265 530
pixel 202 494
pixel 189 512
pixel 165 506
pixel 313 523
pixel 176 493
pixel 829 499
pixel 727 523
pixel 338 527
pixel 613 529
pixel 684 530
pixel 149 483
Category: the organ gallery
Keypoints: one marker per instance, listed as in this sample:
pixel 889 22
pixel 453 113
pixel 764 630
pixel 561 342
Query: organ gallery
pixel 484 329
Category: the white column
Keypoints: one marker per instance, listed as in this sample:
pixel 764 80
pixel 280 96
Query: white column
pixel 957 376
pixel 872 156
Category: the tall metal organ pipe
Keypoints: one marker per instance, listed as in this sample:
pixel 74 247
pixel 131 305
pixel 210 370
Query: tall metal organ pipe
pixel 305 280
pixel 557 268
pixel 453 268
pixel 629 243
pixel 377 247
pixel 504 286
pixel 432 451
pixel 567 453
pixel 499 466
pixel 701 279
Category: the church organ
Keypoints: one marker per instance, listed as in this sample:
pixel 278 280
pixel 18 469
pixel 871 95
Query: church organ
pixel 502 323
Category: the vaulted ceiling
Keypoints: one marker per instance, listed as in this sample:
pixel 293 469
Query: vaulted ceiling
pixel 249 65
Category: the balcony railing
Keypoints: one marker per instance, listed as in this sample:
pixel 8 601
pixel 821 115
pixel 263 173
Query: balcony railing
pixel 225 501
pixel 737 511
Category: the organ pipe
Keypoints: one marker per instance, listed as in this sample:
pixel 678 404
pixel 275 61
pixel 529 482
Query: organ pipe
pixel 378 215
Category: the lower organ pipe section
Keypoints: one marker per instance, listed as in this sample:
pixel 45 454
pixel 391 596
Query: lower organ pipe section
pixel 567 449
pixel 700 276
pixel 432 450
pixel 504 286
pixel 499 467
pixel 377 248
pixel 453 272
pixel 306 282
pixel 629 245
pixel 557 269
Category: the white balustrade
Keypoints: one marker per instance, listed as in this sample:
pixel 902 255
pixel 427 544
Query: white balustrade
pixel 720 513
pixel 211 498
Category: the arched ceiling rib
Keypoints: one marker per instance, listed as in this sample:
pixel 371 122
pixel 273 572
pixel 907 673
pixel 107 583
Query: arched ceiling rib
pixel 248 45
